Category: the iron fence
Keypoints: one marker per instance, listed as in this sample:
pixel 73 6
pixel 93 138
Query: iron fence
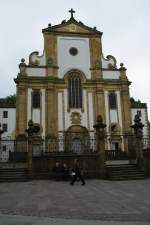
pixel 116 146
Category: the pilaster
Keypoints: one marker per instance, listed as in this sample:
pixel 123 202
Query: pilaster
pixel 52 120
pixel 50 46
pixel 126 109
pixel 95 56
pixel 21 110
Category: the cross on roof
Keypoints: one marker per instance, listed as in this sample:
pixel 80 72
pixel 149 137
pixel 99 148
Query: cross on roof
pixel 72 12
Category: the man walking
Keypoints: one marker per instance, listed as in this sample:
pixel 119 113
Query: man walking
pixel 76 173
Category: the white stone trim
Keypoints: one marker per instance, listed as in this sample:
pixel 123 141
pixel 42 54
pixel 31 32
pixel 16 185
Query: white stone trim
pixel 119 109
pixel 43 111
pixel 106 110
pixel 91 112
pixel 60 112
pixel 29 105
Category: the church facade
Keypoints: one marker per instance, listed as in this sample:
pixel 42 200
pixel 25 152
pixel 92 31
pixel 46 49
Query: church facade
pixel 66 88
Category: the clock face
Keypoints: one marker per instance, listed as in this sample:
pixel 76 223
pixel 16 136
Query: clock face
pixel 72 28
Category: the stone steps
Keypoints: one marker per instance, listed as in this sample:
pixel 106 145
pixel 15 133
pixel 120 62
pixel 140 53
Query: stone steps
pixel 124 172
pixel 13 174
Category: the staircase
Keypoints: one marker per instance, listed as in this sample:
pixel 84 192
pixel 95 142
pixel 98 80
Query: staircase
pixel 124 172
pixel 13 174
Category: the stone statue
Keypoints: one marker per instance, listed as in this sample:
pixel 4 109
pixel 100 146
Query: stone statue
pixel 137 118
pixel 22 67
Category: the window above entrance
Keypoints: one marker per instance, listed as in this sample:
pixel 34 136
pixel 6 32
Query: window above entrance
pixel 75 91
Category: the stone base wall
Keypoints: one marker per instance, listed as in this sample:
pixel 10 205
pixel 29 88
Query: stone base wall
pixel 89 163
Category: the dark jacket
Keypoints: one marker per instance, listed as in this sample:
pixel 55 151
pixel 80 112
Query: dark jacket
pixel 76 169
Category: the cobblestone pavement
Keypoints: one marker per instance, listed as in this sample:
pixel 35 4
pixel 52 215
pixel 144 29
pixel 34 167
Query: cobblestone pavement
pixel 98 200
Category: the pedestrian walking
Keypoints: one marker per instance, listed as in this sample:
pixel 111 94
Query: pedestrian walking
pixel 76 173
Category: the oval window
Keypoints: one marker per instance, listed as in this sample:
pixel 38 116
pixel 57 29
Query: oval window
pixel 73 51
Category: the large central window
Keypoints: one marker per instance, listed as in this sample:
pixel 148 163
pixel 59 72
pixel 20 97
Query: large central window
pixel 112 100
pixel 75 91
pixel 36 99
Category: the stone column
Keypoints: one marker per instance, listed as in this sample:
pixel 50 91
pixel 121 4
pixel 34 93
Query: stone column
pixel 100 137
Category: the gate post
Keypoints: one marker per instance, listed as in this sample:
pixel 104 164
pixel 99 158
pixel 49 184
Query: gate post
pixel 138 132
pixel 30 132
pixel 100 138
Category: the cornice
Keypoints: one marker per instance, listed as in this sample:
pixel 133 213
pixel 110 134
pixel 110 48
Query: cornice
pixel 44 67
pixel 73 34
pixel 104 69
pixel 47 79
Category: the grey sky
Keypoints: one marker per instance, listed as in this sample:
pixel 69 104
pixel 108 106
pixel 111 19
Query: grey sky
pixel 125 26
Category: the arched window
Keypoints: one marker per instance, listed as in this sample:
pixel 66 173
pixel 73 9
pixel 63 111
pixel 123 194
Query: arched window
pixel 75 92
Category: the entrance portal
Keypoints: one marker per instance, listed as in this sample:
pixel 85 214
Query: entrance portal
pixel 77 139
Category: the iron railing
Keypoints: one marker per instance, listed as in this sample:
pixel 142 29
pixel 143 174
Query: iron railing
pixel 116 146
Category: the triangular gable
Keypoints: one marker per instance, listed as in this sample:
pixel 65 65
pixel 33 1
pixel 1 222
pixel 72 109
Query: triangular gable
pixel 72 26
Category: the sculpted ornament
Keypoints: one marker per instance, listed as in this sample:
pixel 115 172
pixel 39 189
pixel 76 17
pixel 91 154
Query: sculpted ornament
pixel 112 65
pixel 50 61
pixel 34 62
pixel 22 67
pixel 76 118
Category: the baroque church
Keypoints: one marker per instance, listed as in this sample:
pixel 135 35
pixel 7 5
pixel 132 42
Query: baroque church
pixel 65 89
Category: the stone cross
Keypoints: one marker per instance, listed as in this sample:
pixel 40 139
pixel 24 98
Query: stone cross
pixel 72 12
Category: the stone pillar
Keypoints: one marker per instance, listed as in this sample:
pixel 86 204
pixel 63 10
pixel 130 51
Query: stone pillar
pixel 30 157
pixel 138 132
pixel 30 132
pixel 100 137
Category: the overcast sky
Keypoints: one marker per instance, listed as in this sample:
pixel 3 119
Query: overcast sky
pixel 125 26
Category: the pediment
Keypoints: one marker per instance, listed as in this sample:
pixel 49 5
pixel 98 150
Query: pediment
pixel 72 26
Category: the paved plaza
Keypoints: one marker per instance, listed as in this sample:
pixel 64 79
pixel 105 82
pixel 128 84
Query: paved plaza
pixel 99 202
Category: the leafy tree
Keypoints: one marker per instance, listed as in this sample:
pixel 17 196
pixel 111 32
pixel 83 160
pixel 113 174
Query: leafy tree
pixel 10 100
